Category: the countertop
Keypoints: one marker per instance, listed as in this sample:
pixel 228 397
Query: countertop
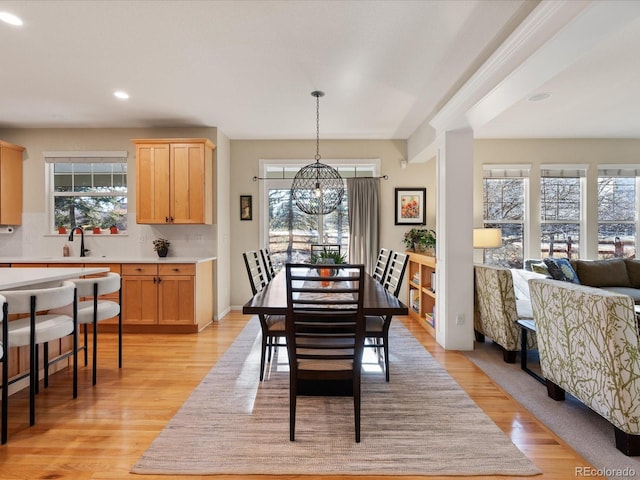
pixel 113 259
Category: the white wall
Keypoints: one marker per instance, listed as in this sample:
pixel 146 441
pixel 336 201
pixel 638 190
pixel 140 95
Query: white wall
pixel 223 224
pixel 245 155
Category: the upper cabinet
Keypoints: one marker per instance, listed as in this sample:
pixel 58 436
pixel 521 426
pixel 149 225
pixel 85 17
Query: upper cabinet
pixel 174 179
pixel 10 183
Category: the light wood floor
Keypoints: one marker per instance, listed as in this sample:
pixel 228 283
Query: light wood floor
pixel 101 434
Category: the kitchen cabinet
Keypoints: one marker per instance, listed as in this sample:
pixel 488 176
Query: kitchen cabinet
pixel 10 183
pixel 167 297
pixel 174 181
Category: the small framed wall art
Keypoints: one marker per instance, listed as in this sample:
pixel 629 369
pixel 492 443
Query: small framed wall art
pixel 411 206
pixel 246 208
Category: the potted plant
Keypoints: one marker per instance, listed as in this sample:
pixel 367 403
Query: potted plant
pixel 329 256
pixel 420 240
pixel 161 246
pixel 62 229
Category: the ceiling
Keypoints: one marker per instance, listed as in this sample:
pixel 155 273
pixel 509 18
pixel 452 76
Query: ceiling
pixel 387 67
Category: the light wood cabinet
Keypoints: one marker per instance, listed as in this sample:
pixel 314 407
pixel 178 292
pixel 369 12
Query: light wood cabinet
pixel 421 295
pixel 10 183
pixel 169 297
pixel 174 181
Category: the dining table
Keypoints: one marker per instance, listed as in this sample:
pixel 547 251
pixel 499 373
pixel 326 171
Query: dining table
pixel 39 277
pixel 272 299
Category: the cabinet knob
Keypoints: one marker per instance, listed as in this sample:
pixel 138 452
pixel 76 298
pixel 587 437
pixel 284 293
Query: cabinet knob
pixel 166 219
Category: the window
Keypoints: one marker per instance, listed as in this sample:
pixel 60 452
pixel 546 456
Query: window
pixel 560 211
pixel 291 232
pixel 504 206
pixel 87 189
pixel 617 200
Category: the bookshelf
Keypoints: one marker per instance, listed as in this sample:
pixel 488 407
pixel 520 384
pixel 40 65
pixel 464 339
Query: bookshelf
pixel 421 289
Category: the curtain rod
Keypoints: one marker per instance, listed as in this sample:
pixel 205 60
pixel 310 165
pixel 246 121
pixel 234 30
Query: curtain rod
pixel 256 178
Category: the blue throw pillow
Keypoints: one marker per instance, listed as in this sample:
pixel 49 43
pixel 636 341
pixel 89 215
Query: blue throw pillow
pixel 561 269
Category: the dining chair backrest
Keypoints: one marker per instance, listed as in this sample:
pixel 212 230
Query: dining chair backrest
pixel 268 264
pixel 382 263
pixel 395 272
pixel 254 271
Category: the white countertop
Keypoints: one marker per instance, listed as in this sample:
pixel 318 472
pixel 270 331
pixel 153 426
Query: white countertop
pixel 105 259
pixel 23 277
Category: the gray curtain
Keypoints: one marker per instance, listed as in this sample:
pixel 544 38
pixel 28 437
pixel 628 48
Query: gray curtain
pixel 363 198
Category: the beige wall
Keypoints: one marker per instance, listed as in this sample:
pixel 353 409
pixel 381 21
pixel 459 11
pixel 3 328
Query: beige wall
pixel 590 152
pixel 245 157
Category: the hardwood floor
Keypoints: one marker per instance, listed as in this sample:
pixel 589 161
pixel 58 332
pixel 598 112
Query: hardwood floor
pixel 101 434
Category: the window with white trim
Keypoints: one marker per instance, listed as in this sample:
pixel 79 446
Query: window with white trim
pixel 617 210
pixel 290 232
pixel 504 195
pixel 87 189
pixel 561 210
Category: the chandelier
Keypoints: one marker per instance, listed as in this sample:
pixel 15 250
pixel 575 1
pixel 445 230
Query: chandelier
pixel 317 188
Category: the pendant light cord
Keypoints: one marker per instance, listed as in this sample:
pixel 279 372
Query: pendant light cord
pixel 318 128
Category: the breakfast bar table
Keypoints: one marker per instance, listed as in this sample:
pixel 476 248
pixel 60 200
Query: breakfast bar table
pixel 41 277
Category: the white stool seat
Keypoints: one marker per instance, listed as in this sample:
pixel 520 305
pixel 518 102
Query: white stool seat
pixel 106 309
pixel 48 328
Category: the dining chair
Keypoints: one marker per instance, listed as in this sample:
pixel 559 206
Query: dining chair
pixel 4 357
pixel 325 332
pixel 268 264
pixel 93 309
pixel 382 263
pixel 40 328
pixel 272 326
pixel 377 327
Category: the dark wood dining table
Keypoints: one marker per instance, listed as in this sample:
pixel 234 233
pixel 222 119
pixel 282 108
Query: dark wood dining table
pixel 272 300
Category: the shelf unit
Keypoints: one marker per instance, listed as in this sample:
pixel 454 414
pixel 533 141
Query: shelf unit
pixel 421 295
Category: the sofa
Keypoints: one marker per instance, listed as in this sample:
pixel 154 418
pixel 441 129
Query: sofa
pixel 588 346
pixel 616 274
pixel 501 297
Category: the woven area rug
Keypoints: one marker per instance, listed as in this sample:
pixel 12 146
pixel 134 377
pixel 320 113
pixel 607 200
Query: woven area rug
pixel 420 423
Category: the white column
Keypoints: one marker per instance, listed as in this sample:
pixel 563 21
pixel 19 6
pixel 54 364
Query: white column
pixel 454 305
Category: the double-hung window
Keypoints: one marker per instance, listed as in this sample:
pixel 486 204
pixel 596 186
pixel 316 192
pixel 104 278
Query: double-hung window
pixel 87 189
pixel 504 192
pixel 617 210
pixel 561 210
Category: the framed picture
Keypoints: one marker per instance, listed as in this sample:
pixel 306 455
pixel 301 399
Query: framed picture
pixel 411 205
pixel 246 209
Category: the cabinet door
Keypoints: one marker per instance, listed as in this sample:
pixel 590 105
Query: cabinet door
pixel 152 181
pixel 139 299
pixel 10 185
pixel 187 183
pixel 176 296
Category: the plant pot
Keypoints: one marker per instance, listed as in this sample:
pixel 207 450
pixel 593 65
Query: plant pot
pixel 162 252
pixel 96 230
pixel 62 230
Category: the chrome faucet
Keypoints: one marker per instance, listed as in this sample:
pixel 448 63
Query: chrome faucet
pixel 83 251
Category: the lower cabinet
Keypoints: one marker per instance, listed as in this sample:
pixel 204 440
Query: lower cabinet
pixel 169 297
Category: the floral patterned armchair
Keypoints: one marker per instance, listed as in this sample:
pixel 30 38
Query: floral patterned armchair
pixel 588 344
pixel 496 311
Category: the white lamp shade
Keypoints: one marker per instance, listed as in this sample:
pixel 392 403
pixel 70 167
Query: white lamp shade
pixel 487 237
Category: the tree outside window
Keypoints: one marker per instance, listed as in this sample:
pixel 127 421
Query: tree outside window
pixel 617 200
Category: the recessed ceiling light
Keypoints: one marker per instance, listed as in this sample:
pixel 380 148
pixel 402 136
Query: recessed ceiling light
pixel 10 18
pixel 539 97
pixel 121 95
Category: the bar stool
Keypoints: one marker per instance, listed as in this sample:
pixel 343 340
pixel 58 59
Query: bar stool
pixel 92 309
pixel 39 329
pixel 4 357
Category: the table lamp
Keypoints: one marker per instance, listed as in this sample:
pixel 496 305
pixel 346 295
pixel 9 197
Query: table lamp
pixel 487 238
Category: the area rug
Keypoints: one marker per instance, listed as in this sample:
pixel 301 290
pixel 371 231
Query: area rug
pixel 419 423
